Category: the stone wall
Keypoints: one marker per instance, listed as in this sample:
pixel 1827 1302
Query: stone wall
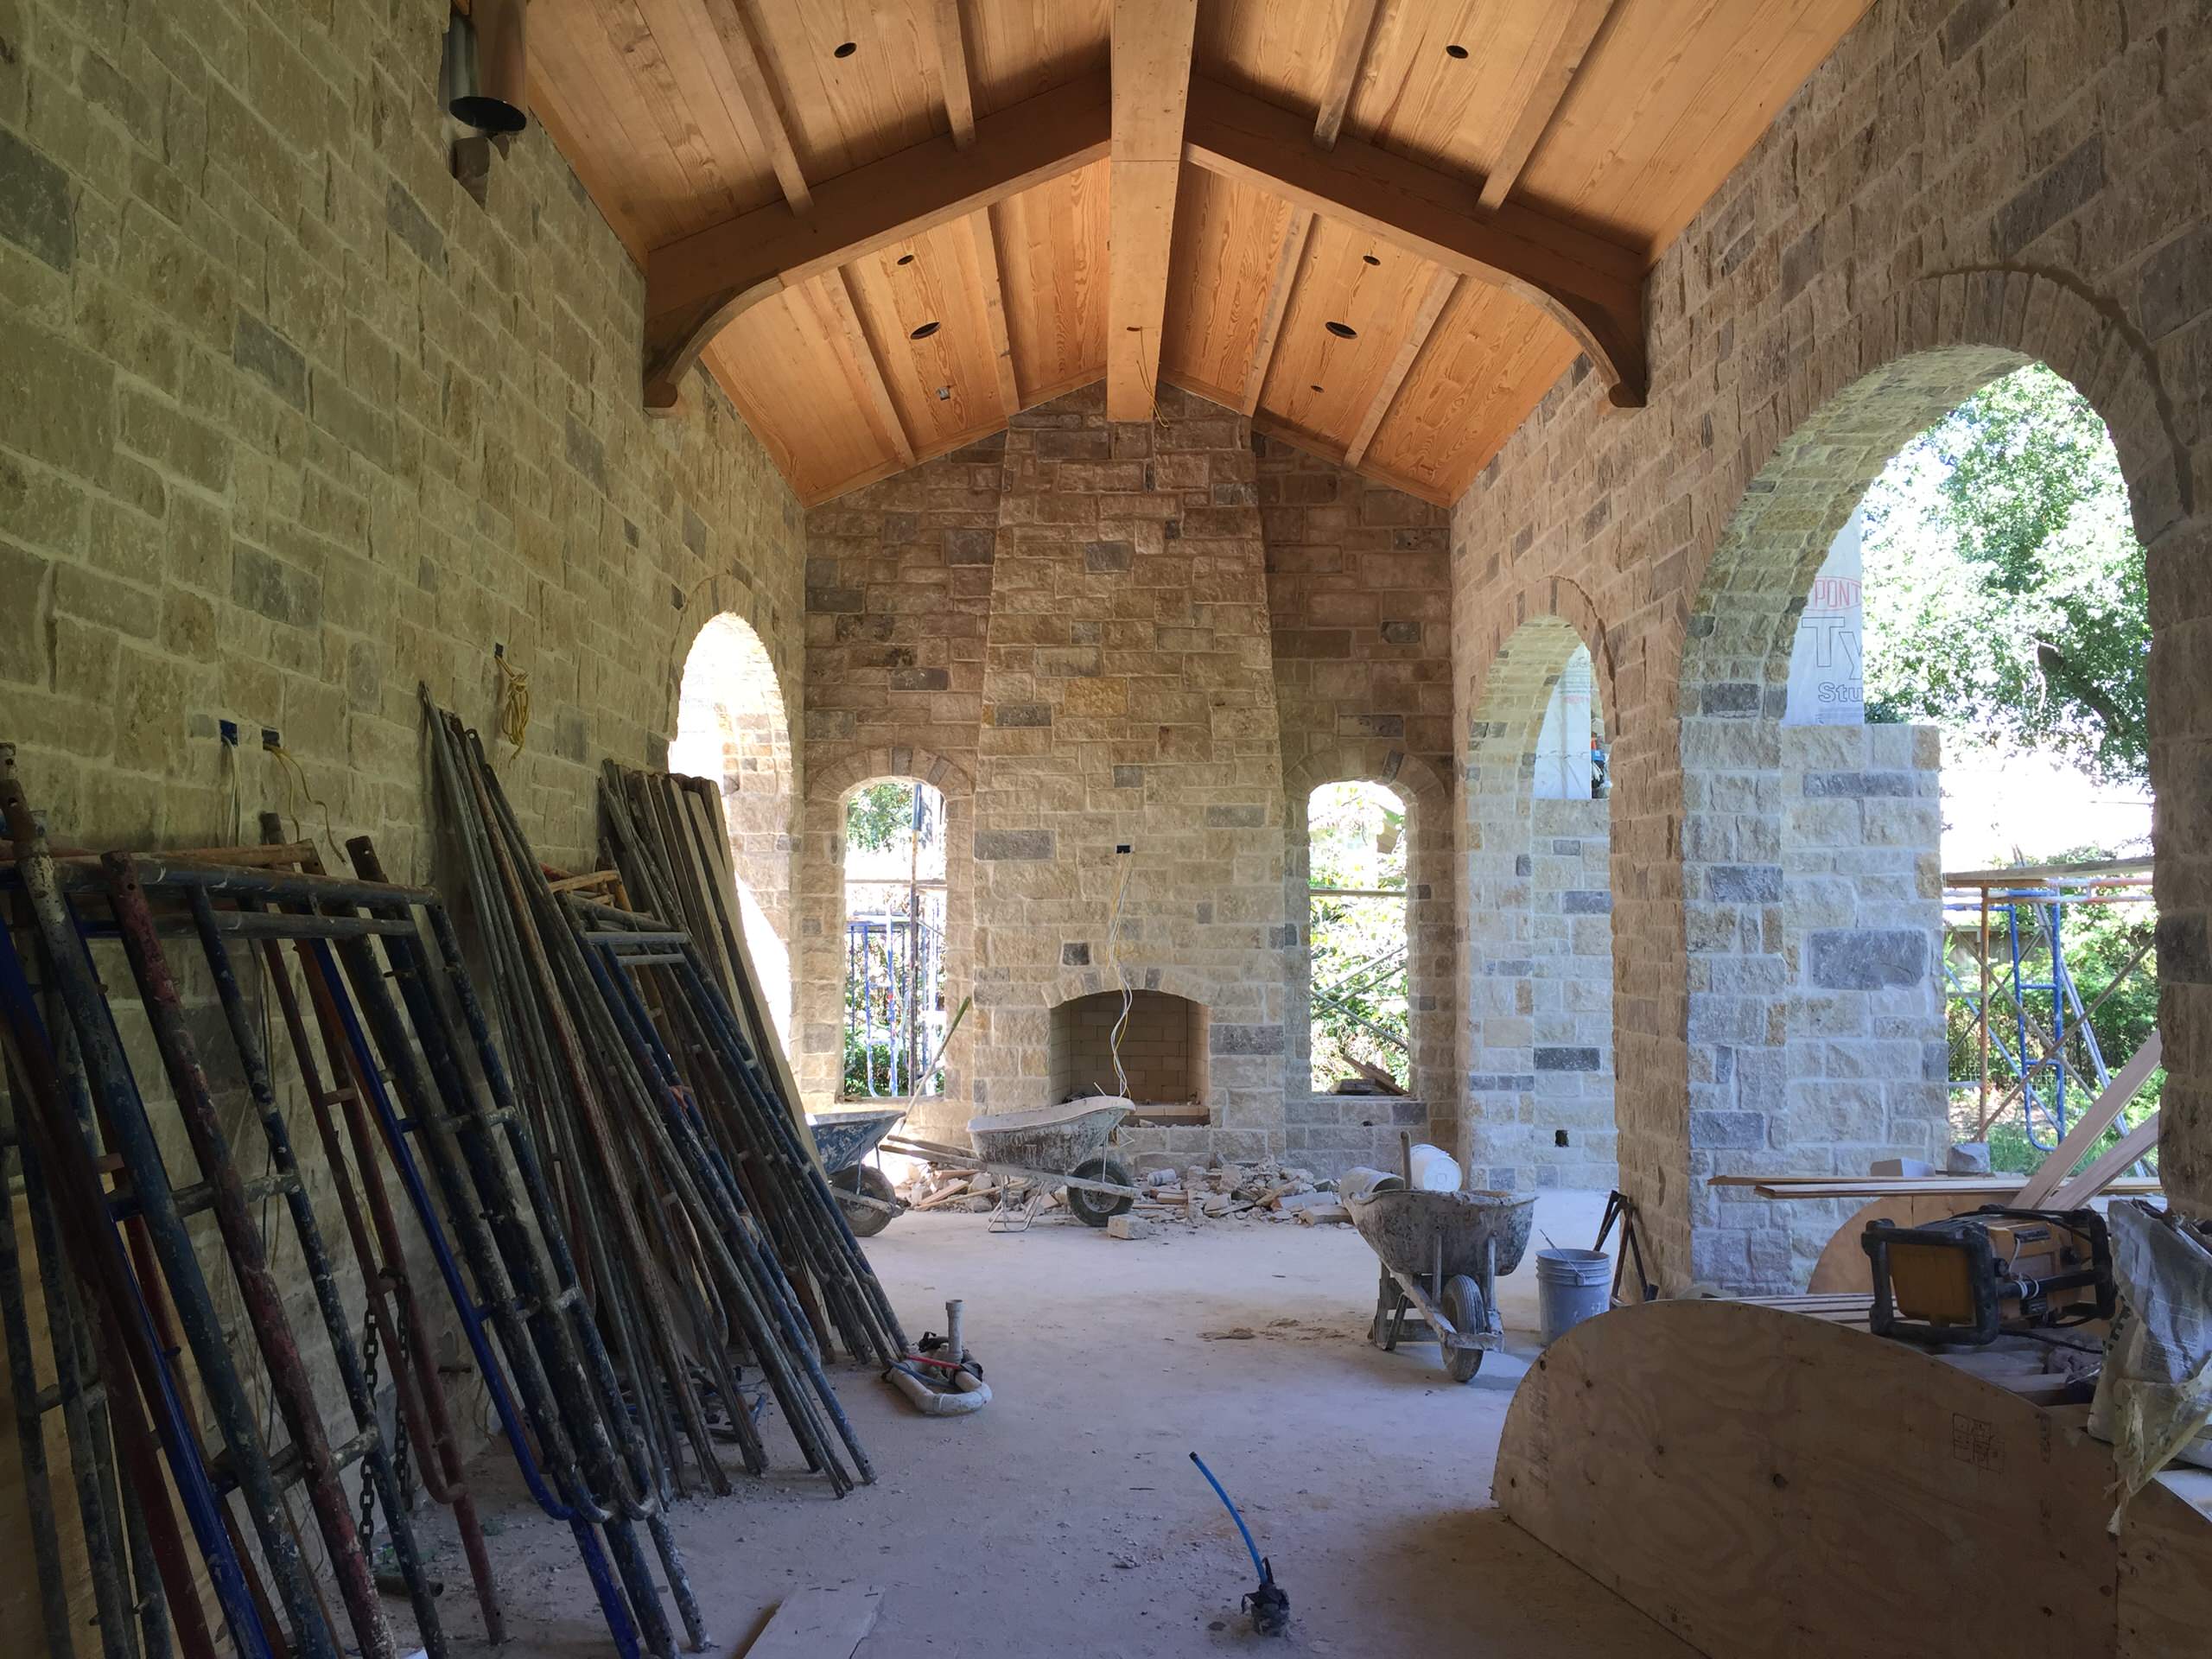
pixel 1960 189
pixel 1571 982
pixel 290 424
pixel 1064 628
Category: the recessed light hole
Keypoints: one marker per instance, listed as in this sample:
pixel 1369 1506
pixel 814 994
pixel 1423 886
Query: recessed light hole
pixel 1454 50
pixel 848 48
pixel 1314 388
pixel 925 331
pixel 906 258
pixel 1341 330
pixel 1369 258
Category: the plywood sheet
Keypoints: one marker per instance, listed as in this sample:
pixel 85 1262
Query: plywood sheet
pixel 788 376
pixel 1492 360
pixel 1670 101
pixel 1052 261
pixel 1320 384
pixel 1762 1483
pixel 1227 239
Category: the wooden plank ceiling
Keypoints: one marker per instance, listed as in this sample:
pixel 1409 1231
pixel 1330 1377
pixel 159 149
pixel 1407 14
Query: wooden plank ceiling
pixel 1383 228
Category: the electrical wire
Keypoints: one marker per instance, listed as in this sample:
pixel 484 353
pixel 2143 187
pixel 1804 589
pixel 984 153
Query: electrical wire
pixel 514 699
pixel 1113 961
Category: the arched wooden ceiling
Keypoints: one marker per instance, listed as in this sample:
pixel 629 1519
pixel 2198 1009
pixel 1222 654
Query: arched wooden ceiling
pixel 1383 228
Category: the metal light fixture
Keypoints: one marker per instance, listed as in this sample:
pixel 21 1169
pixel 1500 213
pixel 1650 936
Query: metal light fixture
pixel 486 64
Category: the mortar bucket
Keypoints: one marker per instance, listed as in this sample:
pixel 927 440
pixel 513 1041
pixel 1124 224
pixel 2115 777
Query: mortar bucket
pixel 1571 1286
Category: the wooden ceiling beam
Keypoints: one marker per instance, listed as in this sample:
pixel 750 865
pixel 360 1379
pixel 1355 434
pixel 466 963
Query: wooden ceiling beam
pixel 1151 83
pixel 835 295
pixel 1440 289
pixel 1593 288
pixel 1343 70
pixel 994 289
pixel 1288 257
pixel 952 72
pixel 1586 20
pixel 696 285
pixel 734 29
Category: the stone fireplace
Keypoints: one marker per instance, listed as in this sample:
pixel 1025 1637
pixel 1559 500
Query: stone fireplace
pixel 1163 1053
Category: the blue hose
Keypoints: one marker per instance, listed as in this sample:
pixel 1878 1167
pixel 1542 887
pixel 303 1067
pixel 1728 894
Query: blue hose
pixel 1257 1565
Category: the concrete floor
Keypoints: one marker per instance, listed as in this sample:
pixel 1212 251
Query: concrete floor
pixel 1067 1512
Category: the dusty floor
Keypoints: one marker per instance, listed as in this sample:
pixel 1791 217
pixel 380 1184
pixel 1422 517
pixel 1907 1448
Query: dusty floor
pixel 1067 1515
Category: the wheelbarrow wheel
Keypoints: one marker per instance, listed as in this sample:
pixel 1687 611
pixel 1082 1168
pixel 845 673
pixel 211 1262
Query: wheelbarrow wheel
pixel 1463 1306
pixel 1096 1208
pixel 865 1219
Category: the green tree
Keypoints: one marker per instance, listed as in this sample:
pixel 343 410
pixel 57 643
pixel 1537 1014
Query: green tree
pixel 1356 840
pixel 2005 587
pixel 879 815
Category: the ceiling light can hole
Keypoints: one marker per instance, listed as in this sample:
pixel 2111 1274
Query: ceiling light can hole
pixel 906 258
pixel 1341 330
pixel 845 49
pixel 1455 50
pixel 1369 258
pixel 925 331
pixel 1314 388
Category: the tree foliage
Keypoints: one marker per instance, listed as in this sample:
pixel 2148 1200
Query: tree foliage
pixel 1357 840
pixel 879 815
pixel 2005 588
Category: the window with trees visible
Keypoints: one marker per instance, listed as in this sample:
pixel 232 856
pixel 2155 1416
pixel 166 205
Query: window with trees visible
pixel 895 942
pixel 1355 878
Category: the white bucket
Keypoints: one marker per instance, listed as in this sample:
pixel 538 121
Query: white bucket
pixel 1571 1286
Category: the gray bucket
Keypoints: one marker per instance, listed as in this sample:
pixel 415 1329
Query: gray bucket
pixel 1571 1286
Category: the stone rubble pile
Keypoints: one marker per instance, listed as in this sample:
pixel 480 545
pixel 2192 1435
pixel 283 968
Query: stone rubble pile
pixel 1222 1191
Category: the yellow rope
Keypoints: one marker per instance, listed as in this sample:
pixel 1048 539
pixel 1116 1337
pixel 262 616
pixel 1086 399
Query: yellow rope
pixel 514 699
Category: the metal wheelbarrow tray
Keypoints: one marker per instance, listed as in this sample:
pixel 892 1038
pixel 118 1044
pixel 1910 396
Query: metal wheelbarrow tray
pixel 1062 1146
pixel 841 1141
pixel 1460 1243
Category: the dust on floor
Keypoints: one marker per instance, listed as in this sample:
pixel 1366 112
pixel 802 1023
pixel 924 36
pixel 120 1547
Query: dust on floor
pixel 1066 1516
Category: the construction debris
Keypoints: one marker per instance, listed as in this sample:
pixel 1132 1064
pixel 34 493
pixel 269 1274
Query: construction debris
pixel 1222 1190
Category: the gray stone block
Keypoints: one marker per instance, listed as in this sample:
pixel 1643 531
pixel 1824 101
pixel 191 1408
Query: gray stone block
pixel 1865 959
pixel 1744 884
pixel 1225 1038
pixel 1728 1131
pixel 1587 901
pixel 35 208
pixel 1014 844
pixel 1566 1060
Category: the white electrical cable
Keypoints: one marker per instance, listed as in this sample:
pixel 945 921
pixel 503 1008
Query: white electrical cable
pixel 1113 961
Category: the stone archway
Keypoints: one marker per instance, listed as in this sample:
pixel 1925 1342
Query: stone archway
pixel 821 912
pixel 1810 857
pixel 731 727
pixel 1430 913
pixel 1539 938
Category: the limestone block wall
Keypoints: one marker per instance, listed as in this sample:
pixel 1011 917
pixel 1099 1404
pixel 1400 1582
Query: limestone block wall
pixel 290 424
pixel 1128 700
pixel 1359 607
pixel 897 587
pixel 1571 981
pixel 1962 187
pixel 1064 629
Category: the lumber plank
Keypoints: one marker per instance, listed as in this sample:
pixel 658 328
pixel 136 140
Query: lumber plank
pixel 1343 70
pixel 2131 1146
pixel 736 31
pixel 2092 1124
pixel 818 1624
pixel 1440 288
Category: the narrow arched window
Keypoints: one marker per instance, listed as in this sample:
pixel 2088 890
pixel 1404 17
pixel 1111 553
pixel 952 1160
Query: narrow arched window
pixel 1358 944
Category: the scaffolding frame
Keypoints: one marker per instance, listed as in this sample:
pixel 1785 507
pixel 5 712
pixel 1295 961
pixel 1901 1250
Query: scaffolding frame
pixel 2051 1054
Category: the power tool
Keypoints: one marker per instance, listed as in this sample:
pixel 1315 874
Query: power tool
pixel 1973 1277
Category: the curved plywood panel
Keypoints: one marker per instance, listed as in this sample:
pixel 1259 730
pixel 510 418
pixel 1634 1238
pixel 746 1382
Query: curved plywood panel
pixel 1762 1483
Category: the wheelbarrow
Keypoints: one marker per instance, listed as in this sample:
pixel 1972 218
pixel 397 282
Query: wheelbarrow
pixel 1060 1147
pixel 841 1140
pixel 1459 1242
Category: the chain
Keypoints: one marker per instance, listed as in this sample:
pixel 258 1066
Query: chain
pixel 399 1480
pixel 368 1528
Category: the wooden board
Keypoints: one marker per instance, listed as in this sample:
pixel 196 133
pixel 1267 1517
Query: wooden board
pixel 1228 237
pixel 819 1624
pixel 1762 1483
pixel 1052 262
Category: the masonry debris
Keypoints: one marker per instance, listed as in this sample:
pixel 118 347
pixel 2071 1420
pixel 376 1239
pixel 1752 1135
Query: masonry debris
pixel 1225 1189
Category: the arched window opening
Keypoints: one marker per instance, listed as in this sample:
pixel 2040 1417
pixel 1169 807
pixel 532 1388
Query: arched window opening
pixel 1969 509
pixel 1358 943
pixel 731 727
pixel 895 942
